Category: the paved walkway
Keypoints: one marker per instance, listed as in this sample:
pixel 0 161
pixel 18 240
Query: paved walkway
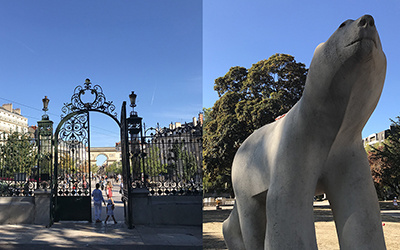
pixel 81 235
pixel 85 235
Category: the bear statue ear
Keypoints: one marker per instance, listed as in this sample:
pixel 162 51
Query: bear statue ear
pixel 318 48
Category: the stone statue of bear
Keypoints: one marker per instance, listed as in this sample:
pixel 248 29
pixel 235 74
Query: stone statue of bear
pixel 316 148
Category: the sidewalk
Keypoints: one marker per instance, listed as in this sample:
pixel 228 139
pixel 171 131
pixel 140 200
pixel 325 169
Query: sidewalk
pixel 84 235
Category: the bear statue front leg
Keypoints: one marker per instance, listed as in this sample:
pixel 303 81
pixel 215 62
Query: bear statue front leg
pixel 290 220
pixel 354 202
pixel 252 220
pixel 232 232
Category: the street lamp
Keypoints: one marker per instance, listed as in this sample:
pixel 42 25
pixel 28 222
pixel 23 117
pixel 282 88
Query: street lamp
pixel 135 128
pixel 134 121
pixel 45 101
pixel 132 99
pixel 44 137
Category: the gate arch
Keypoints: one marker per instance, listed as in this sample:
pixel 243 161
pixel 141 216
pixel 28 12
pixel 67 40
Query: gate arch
pixel 72 171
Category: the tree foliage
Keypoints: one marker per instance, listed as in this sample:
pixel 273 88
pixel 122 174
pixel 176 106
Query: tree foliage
pixel 67 162
pixel 377 165
pixel 248 99
pixel 115 167
pixel 385 163
pixel 183 162
pixel 154 166
pixel 18 154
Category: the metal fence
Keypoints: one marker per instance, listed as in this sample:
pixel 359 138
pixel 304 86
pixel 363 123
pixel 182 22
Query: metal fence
pixel 168 164
pixel 18 164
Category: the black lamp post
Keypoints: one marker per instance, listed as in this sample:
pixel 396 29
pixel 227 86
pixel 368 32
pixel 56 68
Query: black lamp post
pixel 44 138
pixel 134 121
pixel 135 128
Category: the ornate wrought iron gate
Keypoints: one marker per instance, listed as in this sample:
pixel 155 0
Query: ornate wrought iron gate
pixel 166 163
pixel 72 171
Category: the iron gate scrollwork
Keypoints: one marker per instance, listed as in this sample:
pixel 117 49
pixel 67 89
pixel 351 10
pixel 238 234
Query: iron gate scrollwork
pixel 99 102
pixel 72 170
pixel 169 161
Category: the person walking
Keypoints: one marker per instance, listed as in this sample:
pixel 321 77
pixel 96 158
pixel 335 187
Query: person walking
pixel 97 199
pixel 109 189
pixel 102 182
pixel 110 210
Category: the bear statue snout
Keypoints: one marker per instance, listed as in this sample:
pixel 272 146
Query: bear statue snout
pixel 366 21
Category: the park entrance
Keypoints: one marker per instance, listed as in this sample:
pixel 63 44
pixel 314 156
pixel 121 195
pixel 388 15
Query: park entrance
pixel 163 168
pixel 161 172
pixel 72 183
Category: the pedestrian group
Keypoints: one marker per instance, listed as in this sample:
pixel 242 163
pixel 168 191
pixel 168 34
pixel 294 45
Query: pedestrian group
pixel 98 199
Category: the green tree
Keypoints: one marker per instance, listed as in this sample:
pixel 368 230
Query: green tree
pixel 377 165
pixel 154 167
pixel 206 115
pixel 67 163
pixel 94 168
pixel 249 99
pixel 115 167
pixel 385 162
pixel 45 162
pixel 183 162
pixel 18 154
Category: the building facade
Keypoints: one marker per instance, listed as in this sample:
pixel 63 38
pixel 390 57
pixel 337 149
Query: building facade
pixel 11 120
pixel 376 138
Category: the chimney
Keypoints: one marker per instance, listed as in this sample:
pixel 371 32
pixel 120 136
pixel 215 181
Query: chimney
pixel 194 122
pixel 8 107
pixel 18 111
pixel 201 119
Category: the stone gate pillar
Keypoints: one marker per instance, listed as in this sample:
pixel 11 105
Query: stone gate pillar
pixel 42 207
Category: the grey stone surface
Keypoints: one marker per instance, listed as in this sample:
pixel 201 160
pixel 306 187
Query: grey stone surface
pixel 316 148
pixel 17 210
pixel 84 235
pixel 166 210
pixel 42 207
pixel 26 210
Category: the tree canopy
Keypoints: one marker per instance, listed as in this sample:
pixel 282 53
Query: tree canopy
pixel 248 99
pixel 17 154
pixel 385 163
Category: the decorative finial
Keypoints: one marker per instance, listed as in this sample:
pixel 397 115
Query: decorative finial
pixel 87 83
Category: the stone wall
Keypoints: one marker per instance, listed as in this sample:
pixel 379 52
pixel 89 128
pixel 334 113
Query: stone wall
pixel 166 210
pixel 26 210
pixel 147 210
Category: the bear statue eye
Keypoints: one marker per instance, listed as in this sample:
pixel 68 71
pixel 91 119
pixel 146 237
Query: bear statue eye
pixel 345 23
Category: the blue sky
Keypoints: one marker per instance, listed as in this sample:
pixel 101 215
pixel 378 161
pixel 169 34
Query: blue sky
pixel 168 51
pixel 241 33
pixel 153 47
